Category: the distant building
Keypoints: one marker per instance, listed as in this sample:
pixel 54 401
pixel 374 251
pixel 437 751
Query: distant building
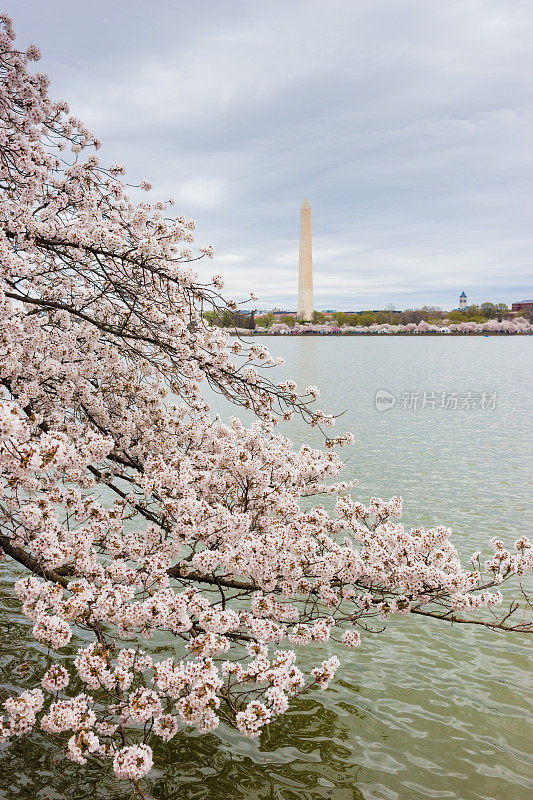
pixel 524 305
pixel 279 313
pixel 462 301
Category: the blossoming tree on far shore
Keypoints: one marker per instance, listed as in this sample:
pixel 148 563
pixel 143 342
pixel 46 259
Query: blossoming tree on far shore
pixel 212 535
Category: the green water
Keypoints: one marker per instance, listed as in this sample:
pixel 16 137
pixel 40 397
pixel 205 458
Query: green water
pixel 422 711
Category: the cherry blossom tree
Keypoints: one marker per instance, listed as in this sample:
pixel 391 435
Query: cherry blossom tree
pixel 211 536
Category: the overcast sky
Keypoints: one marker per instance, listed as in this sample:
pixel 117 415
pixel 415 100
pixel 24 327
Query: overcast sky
pixel 406 123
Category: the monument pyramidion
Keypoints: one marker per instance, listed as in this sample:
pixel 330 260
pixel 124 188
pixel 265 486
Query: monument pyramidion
pixel 305 273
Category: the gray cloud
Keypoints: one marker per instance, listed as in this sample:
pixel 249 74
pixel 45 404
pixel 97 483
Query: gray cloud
pixel 406 123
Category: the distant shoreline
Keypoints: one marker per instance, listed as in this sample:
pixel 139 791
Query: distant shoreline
pixel 245 332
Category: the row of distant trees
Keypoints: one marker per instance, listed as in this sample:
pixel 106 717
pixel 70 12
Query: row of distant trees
pixel 233 319
pixel 430 314
pixel 474 313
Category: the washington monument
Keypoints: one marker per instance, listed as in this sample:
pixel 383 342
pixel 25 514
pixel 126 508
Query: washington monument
pixel 305 273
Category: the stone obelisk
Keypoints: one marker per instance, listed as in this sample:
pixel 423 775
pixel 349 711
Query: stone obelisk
pixel 305 273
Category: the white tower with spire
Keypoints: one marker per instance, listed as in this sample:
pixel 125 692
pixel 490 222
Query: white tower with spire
pixel 305 272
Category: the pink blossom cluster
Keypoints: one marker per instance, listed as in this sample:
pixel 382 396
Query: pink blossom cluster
pixel 72 714
pixel 165 726
pixel 519 325
pixel 55 678
pixel 21 713
pixel 81 744
pixel 255 716
pixel 324 674
pixel 133 762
